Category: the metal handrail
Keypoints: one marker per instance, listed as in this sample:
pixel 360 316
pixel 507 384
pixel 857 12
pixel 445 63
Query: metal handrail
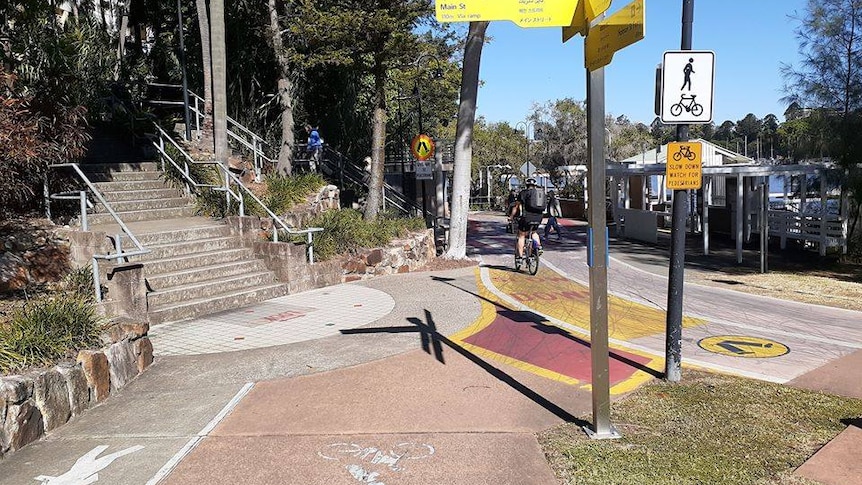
pixel 231 177
pixel 85 203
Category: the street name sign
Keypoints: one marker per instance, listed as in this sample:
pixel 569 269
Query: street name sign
pixel 687 83
pixel 684 169
pixel 585 13
pixel 524 13
pixel 622 29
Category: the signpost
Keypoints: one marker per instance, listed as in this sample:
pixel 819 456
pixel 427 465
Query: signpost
pixel 585 13
pixel 687 87
pixel 524 14
pixel 684 170
pixel 620 30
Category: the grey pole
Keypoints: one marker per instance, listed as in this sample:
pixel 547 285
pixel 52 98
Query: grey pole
pixel 676 277
pixel 598 247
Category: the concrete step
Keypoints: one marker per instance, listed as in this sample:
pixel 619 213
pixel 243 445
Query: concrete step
pixel 123 176
pixel 121 167
pixel 209 288
pixel 134 185
pixel 124 195
pixel 160 282
pixel 182 248
pixel 143 205
pixel 180 263
pixel 225 301
pixel 184 235
pixel 147 215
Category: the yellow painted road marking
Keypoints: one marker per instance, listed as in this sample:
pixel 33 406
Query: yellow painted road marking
pixel 743 346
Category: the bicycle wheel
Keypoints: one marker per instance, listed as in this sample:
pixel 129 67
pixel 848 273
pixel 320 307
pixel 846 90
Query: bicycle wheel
pixel 676 109
pixel 533 264
pixel 677 156
pixel 697 109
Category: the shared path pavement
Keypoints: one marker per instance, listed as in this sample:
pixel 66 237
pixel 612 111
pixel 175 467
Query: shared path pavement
pixel 429 377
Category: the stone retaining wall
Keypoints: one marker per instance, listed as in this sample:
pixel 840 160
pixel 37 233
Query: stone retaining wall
pixel 37 402
pixel 400 256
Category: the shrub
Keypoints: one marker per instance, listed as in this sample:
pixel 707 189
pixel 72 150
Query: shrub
pixel 346 230
pixel 282 192
pixel 48 330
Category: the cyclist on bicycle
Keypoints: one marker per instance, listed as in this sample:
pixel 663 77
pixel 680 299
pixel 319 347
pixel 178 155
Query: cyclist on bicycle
pixel 527 213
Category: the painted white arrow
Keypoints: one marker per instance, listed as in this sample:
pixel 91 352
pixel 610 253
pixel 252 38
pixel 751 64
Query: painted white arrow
pixel 86 470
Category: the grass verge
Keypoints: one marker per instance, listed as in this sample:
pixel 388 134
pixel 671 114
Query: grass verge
pixel 345 230
pixel 710 429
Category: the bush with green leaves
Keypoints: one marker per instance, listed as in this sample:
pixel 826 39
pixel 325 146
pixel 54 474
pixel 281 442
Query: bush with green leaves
pixel 282 193
pixel 345 230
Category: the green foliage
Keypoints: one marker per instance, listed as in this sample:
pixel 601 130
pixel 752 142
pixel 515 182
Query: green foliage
pixel 282 193
pixel 345 230
pixel 47 330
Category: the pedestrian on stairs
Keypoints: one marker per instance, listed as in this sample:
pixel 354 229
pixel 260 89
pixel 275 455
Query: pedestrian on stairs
pixel 314 147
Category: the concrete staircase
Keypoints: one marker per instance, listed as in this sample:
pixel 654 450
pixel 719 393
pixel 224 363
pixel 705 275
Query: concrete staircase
pixel 196 265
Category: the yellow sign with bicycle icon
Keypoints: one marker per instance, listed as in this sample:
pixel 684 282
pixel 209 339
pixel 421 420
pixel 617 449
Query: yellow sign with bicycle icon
pixel 684 169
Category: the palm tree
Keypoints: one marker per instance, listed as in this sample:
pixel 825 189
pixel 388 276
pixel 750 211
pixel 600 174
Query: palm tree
pixel 464 140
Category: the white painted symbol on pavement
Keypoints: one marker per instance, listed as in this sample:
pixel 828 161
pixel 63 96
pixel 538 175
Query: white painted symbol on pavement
pixel 86 470
pixel 375 457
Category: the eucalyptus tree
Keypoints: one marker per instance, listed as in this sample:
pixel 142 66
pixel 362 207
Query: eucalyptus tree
pixel 464 140
pixel 219 79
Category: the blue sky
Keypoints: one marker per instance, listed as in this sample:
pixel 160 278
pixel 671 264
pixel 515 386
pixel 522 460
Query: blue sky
pixel 750 39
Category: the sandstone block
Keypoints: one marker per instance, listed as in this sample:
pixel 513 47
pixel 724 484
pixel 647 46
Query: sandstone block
pixel 144 352
pixel 122 364
pixel 23 425
pixel 375 257
pixel 97 372
pixel 15 389
pixel 127 330
pixel 76 383
pixel 51 396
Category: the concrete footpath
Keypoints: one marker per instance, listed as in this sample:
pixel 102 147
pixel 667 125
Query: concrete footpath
pixel 423 378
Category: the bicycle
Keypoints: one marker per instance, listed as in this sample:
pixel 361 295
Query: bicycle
pixel 531 252
pixel 684 151
pixel 690 105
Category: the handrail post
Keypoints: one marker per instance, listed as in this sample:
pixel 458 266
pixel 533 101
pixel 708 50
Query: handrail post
pixel 46 192
pixel 83 197
pixel 274 231
pixel 197 118
pixel 310 248
pixel 162 150
pixel 118 243
pixel 96 282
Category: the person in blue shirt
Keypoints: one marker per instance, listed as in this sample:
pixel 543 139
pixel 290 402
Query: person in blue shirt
pixel 314 147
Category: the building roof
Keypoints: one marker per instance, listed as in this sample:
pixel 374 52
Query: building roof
pixel 712 155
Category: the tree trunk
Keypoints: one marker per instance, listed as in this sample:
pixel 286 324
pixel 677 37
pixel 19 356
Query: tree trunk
pixel 219 74
pixel 285 94
pixel 378 143
pixel 464 141
pixel 206 140
pixel 121 45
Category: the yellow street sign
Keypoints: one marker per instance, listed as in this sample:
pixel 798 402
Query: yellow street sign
pixel 741 346
pixel 525 13
pixel 622 29
pixel 684 165
pixel 422 147
pixel 587 11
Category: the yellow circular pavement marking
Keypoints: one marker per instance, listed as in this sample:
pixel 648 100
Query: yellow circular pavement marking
pixel 742 346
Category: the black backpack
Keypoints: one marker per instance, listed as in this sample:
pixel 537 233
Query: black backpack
pixel 536 201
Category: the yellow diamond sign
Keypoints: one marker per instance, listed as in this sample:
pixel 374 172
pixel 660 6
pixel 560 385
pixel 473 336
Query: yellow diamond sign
pixel 525 13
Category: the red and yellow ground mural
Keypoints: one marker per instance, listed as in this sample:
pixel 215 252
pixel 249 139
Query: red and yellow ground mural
pixel 528 341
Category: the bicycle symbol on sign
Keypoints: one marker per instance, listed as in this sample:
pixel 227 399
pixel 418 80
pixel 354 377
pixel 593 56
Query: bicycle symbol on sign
pixel 684 151
pixel 689 104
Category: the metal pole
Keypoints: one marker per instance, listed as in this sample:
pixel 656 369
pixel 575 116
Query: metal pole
pixel 676 277
pixel 598 257
pixel 764 226
pixel 183 66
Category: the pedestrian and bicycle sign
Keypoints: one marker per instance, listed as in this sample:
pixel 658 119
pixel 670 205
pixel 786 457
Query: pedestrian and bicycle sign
pixel 742 346
pixel 684 169
pixel 687 87
pixel 422 147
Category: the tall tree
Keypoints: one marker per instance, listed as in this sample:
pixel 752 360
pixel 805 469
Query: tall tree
pixel 206 65
pixel 219 75
pixel 464 140
pixel 285 92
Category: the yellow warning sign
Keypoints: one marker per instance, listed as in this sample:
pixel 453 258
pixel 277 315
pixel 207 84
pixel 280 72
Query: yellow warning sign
pixel 684 165
pixel 422 147
pixel 741 346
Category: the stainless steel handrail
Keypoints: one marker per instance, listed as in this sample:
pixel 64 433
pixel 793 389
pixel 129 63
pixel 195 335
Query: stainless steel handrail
pixel 231 177
pixel 120 254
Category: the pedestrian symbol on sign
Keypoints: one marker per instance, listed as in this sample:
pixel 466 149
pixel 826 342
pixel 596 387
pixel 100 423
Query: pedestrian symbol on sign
pixel 687 71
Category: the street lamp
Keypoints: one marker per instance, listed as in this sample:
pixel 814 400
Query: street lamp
pixel 436 73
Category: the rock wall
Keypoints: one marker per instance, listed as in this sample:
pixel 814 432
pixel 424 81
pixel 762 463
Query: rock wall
pixel 400 256
pixel 30 254
pixel 37 402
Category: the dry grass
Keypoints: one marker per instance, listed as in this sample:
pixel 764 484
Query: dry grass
pixel 710 429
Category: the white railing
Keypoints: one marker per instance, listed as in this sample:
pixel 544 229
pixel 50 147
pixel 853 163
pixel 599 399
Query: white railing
pixel 120 254
pixel 246 138
pixel 828 232
pixel 230 179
